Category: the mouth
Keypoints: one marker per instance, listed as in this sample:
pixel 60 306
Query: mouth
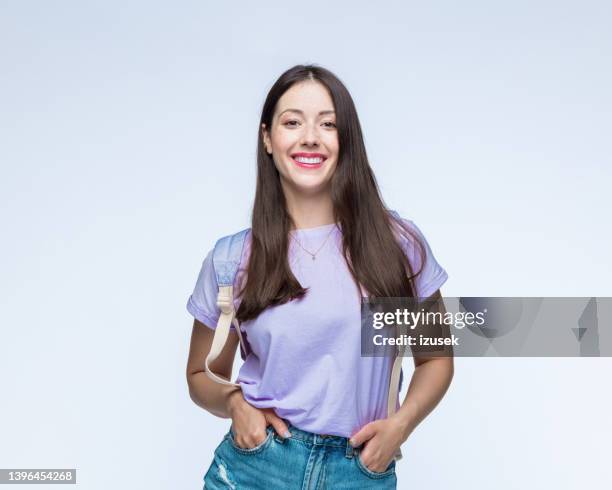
pixel 310 161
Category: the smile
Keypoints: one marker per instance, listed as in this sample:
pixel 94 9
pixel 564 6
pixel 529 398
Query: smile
pixel 308 162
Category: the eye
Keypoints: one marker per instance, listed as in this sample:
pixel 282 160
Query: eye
pixel 332 125
pixel 288 123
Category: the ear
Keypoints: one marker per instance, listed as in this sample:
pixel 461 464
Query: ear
pixel 266 139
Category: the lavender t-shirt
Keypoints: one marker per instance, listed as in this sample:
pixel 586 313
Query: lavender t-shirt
pixel 305 355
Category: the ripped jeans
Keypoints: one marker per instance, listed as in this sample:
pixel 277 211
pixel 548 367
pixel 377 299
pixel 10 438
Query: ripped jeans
pixel 304 461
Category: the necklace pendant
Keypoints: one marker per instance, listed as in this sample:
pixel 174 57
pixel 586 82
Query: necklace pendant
pixel 313 257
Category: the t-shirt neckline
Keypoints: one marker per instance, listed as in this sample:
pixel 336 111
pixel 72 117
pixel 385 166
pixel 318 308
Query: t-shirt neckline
pixel 315 229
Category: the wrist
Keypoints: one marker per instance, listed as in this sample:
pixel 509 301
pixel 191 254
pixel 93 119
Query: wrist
pixel 406 419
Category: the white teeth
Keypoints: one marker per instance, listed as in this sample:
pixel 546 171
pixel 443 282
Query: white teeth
pixel 309 160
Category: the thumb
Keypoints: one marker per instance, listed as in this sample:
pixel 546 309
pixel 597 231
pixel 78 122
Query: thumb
pixel 365 433
pixel 279 424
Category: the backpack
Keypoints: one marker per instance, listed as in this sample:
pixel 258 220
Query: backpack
pixel 226 260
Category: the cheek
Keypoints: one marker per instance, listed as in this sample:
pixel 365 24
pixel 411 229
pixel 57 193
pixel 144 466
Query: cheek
pixel 331 143
pixel 283 141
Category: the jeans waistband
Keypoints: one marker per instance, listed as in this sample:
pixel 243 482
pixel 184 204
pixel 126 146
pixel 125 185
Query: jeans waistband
pixel 320 439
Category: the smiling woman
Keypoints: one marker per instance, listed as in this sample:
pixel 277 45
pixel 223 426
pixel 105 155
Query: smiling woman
pixel 307 410
pixel 305 119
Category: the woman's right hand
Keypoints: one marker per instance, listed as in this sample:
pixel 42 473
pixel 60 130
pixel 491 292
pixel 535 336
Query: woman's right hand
pixel 250 423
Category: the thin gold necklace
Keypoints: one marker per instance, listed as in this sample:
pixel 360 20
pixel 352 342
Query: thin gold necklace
pixel 313 255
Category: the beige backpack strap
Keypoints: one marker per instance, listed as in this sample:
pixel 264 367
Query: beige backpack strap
pixel 394 382
pixel 394 378
pixel 394 390
pixel 226 260
pixel 225 303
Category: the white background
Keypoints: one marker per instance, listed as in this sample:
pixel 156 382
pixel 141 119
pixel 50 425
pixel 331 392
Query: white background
pixel 127 147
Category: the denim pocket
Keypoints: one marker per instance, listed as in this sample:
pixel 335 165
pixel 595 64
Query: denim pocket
pixel 251 450
pixel 374 474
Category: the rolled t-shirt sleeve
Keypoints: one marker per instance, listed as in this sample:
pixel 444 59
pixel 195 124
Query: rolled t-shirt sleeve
pixel 433 275
pixel 202 303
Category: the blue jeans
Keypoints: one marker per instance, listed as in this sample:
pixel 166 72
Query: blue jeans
pixel 304 461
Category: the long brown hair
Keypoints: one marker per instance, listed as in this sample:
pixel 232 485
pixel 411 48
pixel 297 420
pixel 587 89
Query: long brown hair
pixel 370 247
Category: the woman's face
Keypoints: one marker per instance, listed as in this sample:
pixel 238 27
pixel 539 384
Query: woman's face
pixel 303 139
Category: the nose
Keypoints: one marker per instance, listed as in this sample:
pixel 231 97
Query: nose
pixel 311 136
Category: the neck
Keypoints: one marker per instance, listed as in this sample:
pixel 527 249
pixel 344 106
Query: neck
pixel 310 210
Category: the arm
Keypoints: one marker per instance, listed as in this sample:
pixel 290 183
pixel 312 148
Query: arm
pixel 430 381
pixel 214 397
pixel 226 401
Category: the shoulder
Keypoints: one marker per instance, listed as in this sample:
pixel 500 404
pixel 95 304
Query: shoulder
pixel 430 275
pixel 408 233
pixel 227 243
pixel 229 256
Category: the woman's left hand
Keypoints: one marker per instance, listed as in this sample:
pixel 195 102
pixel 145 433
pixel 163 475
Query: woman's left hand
pixel 382 438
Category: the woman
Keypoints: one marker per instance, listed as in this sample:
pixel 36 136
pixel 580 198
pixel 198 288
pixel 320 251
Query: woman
pixel 311 411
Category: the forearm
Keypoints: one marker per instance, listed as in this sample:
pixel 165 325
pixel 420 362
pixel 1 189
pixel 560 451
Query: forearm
pixel 428 385
pixel 214 397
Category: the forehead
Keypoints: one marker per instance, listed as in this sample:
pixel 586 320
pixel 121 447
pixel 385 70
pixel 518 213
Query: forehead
pixel 309 97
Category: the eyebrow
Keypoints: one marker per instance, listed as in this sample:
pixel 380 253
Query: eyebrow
pixel 302 112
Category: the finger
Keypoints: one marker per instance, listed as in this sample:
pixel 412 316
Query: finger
pixel 365 433
pixel 255 438
pixel 381 467
pixel 279 425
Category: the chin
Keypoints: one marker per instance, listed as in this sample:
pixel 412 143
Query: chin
pixel 313 188
pixel 309 185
